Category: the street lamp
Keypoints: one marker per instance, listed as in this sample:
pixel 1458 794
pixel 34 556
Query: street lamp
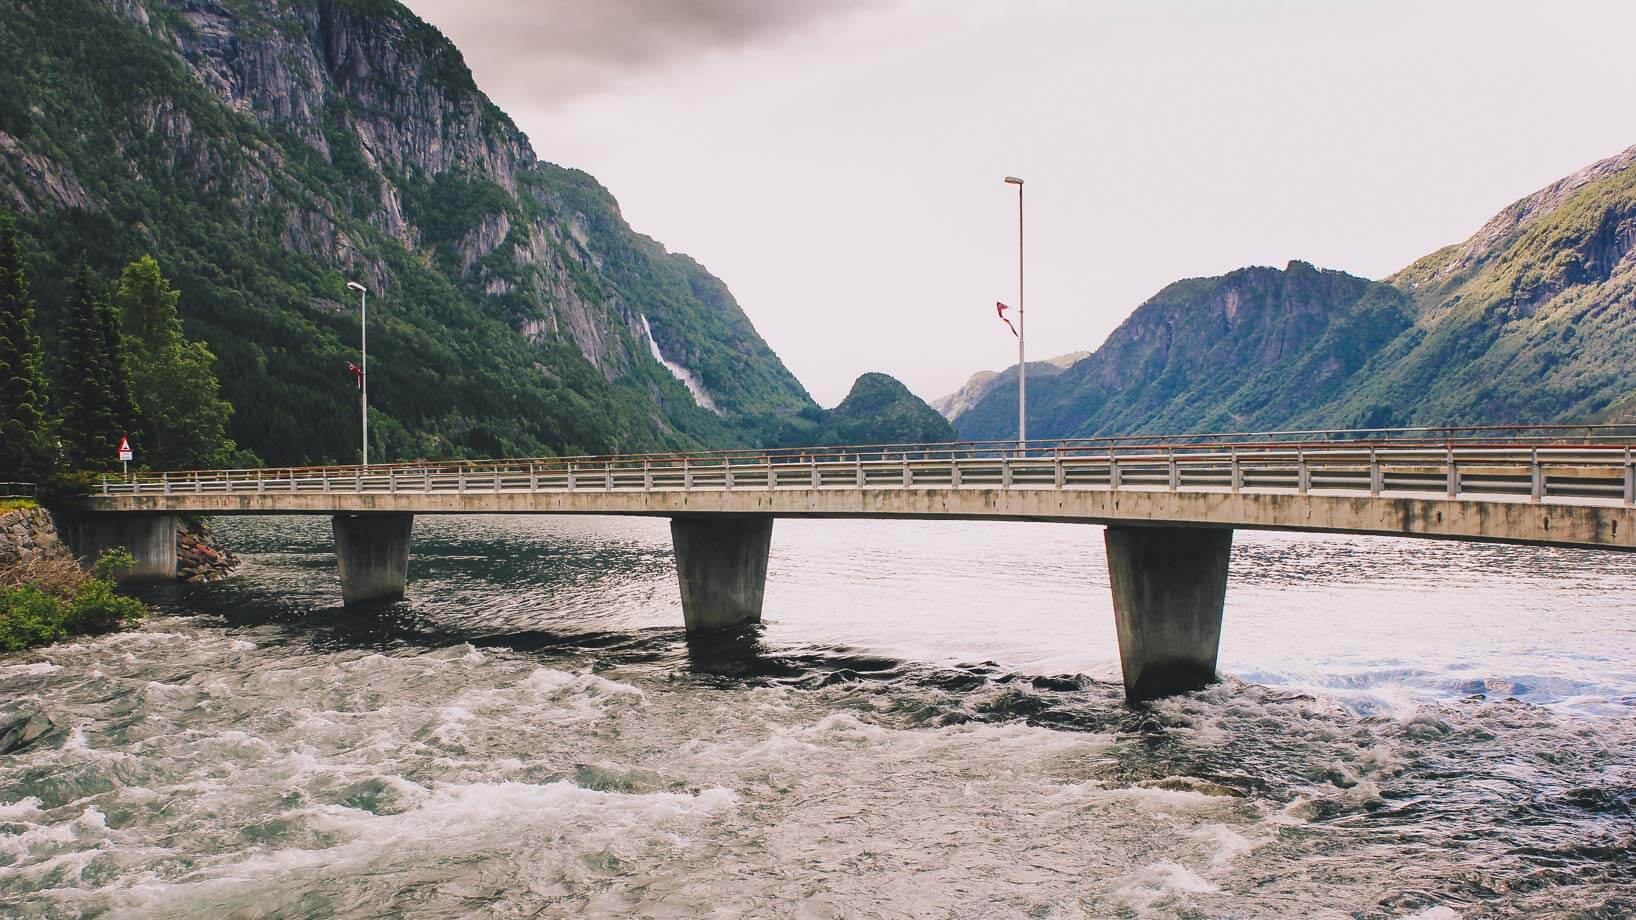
pixel 1022 367
pixel 363 368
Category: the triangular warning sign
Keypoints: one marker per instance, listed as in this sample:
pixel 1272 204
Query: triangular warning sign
pixel 124 444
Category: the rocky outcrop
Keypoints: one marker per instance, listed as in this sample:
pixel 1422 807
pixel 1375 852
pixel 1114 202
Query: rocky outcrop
pixel 199 555
pixel 28 536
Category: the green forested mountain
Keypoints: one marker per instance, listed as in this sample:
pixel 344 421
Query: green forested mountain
pixel 878 410
pixel 268 151
pixel 1533 319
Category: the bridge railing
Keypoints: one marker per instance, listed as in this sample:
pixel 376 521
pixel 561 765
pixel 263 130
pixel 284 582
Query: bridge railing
pixel 1532 468
pixel 19 490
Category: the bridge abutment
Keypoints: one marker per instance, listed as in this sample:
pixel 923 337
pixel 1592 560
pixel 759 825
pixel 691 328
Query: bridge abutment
pixel 372 553
pixel 150 539
pixel 1169 584
pixel 721 563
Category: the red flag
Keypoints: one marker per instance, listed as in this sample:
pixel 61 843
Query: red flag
pixel 357 372
pixel 999 309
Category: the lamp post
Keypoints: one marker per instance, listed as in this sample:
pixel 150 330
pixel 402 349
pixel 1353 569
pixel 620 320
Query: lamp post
pixel 363 367
pixel 1022 367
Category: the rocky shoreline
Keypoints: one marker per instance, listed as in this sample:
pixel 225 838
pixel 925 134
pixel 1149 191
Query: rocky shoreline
pixel 30 535
pixel 199 555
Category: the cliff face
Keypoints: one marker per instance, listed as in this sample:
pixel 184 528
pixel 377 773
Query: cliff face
pixel 979 384
pixel 269 150
pixel 1532 320
pixel 1244 350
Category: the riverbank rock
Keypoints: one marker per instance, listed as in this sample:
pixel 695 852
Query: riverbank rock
pixel 199 555
pixel 29 535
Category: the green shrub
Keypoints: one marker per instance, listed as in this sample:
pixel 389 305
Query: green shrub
pixel 95 609
pixel 47 609
pixel 113 564
pixel 29 617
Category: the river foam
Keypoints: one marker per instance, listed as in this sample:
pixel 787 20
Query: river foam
pixel 534 735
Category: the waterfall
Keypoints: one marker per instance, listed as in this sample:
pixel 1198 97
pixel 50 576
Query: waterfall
pixel 693 384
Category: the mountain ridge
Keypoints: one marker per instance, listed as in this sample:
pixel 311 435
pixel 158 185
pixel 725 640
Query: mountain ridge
pixel 1529 320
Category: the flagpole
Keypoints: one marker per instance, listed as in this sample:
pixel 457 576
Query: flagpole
pixel 363 368
pixel 1022 363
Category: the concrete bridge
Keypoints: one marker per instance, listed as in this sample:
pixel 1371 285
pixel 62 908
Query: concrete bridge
pixel 1169 506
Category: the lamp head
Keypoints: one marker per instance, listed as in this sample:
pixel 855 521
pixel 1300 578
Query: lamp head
pixel 1013 180
pixel 353 285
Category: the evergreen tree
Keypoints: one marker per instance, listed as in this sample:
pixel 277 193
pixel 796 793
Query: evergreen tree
pixel 113 345
pixel 89 430
pixel 181 414
pixel 24 450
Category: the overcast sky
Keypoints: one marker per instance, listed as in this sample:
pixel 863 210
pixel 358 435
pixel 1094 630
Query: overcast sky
pixel 839 163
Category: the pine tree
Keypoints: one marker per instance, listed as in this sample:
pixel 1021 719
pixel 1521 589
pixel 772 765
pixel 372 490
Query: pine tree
pixel 182 416
pixel 24 451
pixel 89 430
pixel 113 346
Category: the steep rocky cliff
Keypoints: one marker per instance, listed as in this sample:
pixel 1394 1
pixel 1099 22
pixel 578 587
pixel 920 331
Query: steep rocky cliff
pixel 267 151
pixel 1533 319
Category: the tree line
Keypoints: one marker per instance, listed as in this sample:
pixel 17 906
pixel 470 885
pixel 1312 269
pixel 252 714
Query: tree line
pixel 125 371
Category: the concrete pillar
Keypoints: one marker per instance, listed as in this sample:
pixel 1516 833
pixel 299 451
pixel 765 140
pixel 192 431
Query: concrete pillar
pixel 150 538
pixel 372 552
pixel 1168 587
pixel 721 562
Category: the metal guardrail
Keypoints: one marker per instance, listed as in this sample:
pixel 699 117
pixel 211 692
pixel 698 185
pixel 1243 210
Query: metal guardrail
pixel 19 490
pixel 1488 467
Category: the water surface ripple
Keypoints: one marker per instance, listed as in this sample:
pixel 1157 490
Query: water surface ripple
pixel 928 724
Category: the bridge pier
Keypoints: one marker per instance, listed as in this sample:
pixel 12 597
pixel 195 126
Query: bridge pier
pixel 372 552
pixel 1169 584
pixel 721 563
pixel 150 539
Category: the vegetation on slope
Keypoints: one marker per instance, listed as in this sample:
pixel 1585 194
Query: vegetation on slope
pixel 121 138
pixel 878 410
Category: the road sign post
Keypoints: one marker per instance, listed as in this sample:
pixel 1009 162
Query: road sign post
pixel 126 455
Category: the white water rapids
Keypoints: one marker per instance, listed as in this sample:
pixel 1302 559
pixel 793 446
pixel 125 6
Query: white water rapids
pixel 928 724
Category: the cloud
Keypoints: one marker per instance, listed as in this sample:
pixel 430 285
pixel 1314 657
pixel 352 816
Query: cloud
pixel 558 50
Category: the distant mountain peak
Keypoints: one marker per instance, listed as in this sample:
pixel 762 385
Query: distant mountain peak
pixel 981 382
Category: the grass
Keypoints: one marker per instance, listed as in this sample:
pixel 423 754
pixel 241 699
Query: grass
pixel 17 504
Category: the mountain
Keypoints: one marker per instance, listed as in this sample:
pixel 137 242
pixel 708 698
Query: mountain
pixel 1531 320
pixel 880 410
pixel 975 388
pixel 268 151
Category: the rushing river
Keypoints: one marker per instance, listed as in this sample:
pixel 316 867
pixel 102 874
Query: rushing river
pixel 928 724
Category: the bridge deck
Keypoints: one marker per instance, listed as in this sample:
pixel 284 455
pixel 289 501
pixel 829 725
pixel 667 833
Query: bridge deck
pixel 1554 494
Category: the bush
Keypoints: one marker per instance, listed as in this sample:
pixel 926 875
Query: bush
pixel 41 604
pixel 29 617
pixel 95 609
